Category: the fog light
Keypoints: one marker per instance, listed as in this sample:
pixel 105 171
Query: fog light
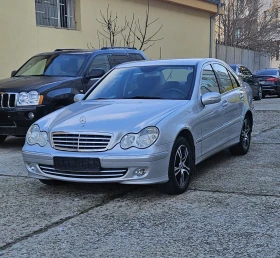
pixel 31 168
pixel 30 115
pixel 140 172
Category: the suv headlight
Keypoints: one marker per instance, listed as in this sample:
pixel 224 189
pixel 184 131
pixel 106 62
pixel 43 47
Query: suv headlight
pixel 142 140
pixel 35 136
pixel 29 99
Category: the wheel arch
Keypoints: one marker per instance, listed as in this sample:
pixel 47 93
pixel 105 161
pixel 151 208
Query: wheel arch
pixel 189 137
pixel 250 116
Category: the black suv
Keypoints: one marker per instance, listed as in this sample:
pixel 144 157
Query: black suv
pixel 49 81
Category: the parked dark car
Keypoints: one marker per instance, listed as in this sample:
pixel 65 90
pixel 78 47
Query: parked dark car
pixel 246 75
pixel 49 81
pixel 270 81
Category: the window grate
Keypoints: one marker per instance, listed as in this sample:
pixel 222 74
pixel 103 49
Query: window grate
pixel 55 13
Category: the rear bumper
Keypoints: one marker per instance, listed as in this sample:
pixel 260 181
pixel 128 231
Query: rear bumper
pixel 271 89
pixel 15 121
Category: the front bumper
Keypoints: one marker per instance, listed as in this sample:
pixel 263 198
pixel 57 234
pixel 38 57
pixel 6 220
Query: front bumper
pixel 121 165
pixel 15 121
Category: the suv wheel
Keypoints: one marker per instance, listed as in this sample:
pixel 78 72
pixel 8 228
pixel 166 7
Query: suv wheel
pixel 2 138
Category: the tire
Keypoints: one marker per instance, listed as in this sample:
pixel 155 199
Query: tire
pixel 243 146
pixel 2 138
pixel 263 95
pixel 260 94
pixel 51 182
pixel 181 167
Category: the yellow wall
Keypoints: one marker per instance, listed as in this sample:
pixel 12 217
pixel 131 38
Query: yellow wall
pixel 186 31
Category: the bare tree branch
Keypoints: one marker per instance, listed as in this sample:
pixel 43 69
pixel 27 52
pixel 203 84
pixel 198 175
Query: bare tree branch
pixel 249 25
pixel 131 31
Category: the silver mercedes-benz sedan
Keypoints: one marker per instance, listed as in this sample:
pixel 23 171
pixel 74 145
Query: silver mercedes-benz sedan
pixel 147 122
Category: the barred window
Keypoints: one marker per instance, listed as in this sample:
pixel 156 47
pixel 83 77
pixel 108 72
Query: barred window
pixel 55 13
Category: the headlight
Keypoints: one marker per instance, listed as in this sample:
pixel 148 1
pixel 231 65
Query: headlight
pixel 28 99
pixel 142 140
pixel 35 136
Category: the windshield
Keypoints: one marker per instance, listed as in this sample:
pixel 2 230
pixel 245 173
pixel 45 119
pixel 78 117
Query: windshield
pixel 266 72
pixel 146 82
pixel 53 65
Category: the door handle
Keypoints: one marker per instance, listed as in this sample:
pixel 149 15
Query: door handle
pixel 225 103
pixel 241 95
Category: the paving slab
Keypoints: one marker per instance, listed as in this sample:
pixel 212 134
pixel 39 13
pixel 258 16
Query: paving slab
pixel 145 224
pixel 27 206
pixel 258 172
pixel 269 103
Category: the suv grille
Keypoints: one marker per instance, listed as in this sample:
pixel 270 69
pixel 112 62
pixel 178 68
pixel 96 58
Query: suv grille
pixel 80 142
pixel 8 100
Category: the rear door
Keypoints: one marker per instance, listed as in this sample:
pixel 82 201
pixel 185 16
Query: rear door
pixel 212 117
pixel 233 101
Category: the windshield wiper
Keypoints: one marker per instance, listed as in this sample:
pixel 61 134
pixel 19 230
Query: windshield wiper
pixel 145 97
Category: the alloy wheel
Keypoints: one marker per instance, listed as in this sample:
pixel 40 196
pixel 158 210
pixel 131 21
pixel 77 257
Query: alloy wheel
pixel 182 165
pixel 246 134
pixel 260 93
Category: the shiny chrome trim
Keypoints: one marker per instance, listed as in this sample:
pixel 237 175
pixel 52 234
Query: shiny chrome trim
pixel 78 141
pixel 104 173
pixel 9 99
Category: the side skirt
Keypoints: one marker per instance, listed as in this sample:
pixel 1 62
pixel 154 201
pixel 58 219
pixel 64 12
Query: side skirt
pixel 216 150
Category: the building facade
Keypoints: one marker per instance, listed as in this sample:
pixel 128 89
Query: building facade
pixel 28 27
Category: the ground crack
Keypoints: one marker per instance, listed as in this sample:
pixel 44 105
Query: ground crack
pixel 236 193
pixel 103 202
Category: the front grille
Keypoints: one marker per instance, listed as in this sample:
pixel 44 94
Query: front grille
pixel 80 142
pixel 8 100
pixel 103 174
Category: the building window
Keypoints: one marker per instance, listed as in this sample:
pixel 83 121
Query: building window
pixel 55 13
pixel 238 33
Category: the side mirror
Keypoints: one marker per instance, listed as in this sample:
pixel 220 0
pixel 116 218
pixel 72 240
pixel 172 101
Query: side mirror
pixel 78 97
pixel 95 73
pixel 210 98
pixel 13 73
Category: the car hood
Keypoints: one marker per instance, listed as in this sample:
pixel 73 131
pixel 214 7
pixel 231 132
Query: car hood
pixel 27 83
pixel 114 116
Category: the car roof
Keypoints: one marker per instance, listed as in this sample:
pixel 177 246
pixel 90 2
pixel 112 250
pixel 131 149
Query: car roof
pixel 268 69
pixel 187 61
pixel 91 51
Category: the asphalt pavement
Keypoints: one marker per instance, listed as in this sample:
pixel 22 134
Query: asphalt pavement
pixel 232 208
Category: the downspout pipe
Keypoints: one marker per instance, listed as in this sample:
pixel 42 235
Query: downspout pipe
pixel 212 28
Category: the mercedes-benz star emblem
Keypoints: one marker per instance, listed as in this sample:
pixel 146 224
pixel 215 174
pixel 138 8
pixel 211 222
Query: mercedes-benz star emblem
pixel 83 121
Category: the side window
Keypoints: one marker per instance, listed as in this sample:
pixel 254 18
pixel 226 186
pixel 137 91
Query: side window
pixel 116 59
pixel 244 71
pixel 224 77
pixel 209 81
pixel 100 61
pixel 136 57
pixel 234 81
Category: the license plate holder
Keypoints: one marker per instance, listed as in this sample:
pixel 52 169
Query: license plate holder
pixel 77 164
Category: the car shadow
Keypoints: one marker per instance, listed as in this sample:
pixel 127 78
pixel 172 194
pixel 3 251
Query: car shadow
pixel 13 142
